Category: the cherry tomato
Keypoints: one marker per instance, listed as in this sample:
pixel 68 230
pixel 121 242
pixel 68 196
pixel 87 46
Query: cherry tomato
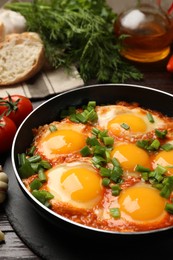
pixel 7 133
pixel 16 107
pixel 170 64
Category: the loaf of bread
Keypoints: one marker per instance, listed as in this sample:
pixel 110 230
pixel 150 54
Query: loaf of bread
pixel 21 57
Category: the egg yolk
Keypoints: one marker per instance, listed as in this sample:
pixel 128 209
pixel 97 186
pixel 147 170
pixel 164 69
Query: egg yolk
pixel 129 155
pixel 135 124
pixel 165 159
pixel 142 203
pixel 63 142
pixel 82 184
pixel 79 186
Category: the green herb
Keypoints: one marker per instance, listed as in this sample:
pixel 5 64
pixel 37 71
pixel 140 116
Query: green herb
pixel 35 184
pixel 52 128
pixel 161 134
pixel 150 117
pixel 79 33
pixel 43 196
pixel 115 212
pixel 125 126
pixel 169 207
pixel 167 147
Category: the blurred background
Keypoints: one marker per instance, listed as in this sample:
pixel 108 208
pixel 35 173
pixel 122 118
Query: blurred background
pixel 120 5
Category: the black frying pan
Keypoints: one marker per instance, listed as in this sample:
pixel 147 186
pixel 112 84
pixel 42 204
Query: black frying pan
pixel 50 111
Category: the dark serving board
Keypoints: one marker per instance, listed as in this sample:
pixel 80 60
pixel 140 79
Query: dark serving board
pixel 49 242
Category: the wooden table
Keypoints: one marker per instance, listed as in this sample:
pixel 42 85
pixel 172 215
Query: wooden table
pixel 155 76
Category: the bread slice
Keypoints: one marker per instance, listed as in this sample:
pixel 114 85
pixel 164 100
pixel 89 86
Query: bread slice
pixel 21 57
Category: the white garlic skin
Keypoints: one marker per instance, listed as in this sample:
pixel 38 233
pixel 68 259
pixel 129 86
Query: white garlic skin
pixel 3 185
pixel 13 21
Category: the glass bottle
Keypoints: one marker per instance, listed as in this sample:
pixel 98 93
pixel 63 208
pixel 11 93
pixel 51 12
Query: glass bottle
pixel 147 30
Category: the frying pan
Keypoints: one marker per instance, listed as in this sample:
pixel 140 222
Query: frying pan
pixel 50 110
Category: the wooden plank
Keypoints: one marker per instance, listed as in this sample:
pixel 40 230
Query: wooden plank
pixel 12 247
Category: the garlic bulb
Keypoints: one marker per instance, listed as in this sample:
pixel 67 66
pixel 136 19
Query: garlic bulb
pixel 3 185
pixel 3 191
pixel 13 21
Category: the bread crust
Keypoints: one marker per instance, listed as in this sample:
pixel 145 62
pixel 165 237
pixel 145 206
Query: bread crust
pixel 31 44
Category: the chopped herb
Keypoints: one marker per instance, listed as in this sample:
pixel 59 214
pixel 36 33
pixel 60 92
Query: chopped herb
pixel 52 128
pixel 161 134
pixel 167 147
pixel 115 212
pixel 150 117
pixel 125 126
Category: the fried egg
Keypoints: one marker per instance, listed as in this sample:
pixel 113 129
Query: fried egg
pixel 128 121
pixel 165 159
pixel 76 181
pixel 129 155
pixel 75 184
pixel 67 138
pixel 142 204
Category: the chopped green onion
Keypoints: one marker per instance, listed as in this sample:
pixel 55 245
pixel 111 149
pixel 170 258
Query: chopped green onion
pixel 91 104
pixel 35 184
pixel 52 128
pixel 34 158
pixel 25 170
pixel 115 212
pixel 125 126
pixel 161 134
pixel 169 207
pixel 115 190
pixel 108 141
pixel 154 145
pixel 74 119
pixel 21 159
pixel 116 173
pixel 43 196
pixel 115 162
pixel 143 144
pixel 92 141
pixel 167 187
pixel 35 166
pixel 98 161
pixel 145 176
pixel 102 134
pixel 105 172
pixel 42 175
pixel 105 182
pixel 99 150
pixel 81 118
pixel 31 151
pixel 85 151
pixel 140 168
pixel 167 147
pixel 150 117
pixel 95 131
pixel 45 164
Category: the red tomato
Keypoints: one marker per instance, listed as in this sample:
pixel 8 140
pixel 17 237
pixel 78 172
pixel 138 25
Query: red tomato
pixel 16 107
pixel 169 65
pixel 7 132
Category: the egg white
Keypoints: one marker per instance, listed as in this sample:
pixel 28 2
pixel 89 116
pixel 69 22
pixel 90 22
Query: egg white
pixel 50 149
pixel 63 190
pixel 107 113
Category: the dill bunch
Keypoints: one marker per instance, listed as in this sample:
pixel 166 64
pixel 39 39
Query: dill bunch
pixel 80 33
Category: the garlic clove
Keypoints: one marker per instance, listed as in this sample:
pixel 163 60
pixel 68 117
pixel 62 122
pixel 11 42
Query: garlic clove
pixel 13 21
